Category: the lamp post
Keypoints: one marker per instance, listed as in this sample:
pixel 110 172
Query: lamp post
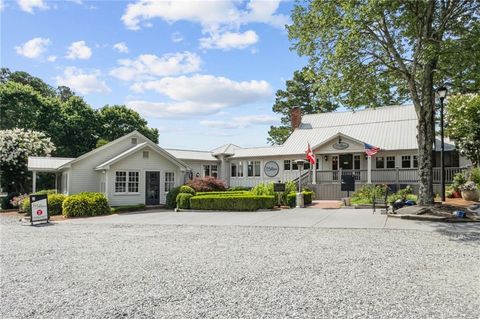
pixel 442 93
pixel 299 197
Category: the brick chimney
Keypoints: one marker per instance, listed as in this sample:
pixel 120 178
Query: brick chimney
pixel 296 117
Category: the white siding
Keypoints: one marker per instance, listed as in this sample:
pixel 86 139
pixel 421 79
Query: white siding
pixel 135 162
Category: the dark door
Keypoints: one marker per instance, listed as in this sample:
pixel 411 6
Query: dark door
pixel 152 188
pixel 346 161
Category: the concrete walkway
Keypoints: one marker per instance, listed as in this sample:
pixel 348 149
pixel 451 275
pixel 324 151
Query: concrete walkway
pixel 312 217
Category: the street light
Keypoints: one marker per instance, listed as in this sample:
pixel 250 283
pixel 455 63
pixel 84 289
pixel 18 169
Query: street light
pixel 299 197
pixel 442 93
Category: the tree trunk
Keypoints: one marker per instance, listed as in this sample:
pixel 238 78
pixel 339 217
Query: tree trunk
pixel 425 138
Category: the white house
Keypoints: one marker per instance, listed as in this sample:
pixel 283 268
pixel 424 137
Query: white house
pixel 132 169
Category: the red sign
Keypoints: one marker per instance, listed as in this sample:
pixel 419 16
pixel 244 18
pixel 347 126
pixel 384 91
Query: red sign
pixel 39 212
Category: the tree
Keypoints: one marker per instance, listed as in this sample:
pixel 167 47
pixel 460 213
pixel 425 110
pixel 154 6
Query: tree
pixel 24 78
pixel 301 91
pixel 16 146
pixel 118 120
pixel 463 124
pixel 363 52
pixel 64 93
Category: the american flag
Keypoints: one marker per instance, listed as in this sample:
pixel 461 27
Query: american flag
pixel 371 150
pixel 310 156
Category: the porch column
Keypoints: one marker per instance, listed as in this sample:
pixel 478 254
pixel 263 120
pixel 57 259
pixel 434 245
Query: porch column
pixel 107 184
pixel 56 182
pixel 369 170
pixel 314 178
pixel 34 182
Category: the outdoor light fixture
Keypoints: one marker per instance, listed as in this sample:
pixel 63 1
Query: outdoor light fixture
pixel 326 158
pixel 442 93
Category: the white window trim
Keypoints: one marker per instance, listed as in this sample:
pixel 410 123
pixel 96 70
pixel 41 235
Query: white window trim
pixel 253 169
pixel 126 182
pixel 165 180
pixel 239 165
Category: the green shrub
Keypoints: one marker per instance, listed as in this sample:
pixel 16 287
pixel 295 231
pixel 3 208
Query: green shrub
pixel 171 201
pixel 46 192
pixel 263 189
pixel 458 180
pixel 187 190
pixel 239 188
pixel 183 200
pixel 394 197
pixel 307 197
pixel 233 203
pixel 127 208
pixel 366 193
pixel 55 202
pixel 474 175
pixel 233 193
pixel 85 204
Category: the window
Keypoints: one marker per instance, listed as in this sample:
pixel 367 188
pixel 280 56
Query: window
pixel 169 181
pixel 380 162
pixel 145 154
pixel 206 170
pixel 294 166
pixel 253 168
pixel 214 171
pixel 334 163
pixel 306 165
pixel 287 165
pixel 133 182
pixel 120 182
pixel 317 164
pixel 390 161
pixel 406 161
pixel 356 162
pixel 237 169
pixel 415 161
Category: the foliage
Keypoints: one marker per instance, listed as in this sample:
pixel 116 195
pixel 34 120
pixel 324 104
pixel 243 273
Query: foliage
pixel 366 193
pixel 226 193
pixel 85 204
pixel 394 197
pixel 183 200
pixel 127 208
pixel 375 53
pixel 26 79
pixel 458 180
pixel 291 198
pixel 267 189
pixel 206 184
pixel 300 91
pixel 307 197
pixel 232 203
pixel 6 201
pixel 171 201
pixel 469 186
pixel 55 204
pixel 187 189
pixel 474 175
pixel 263 189
pixel 18 200
pixel 118 120
pixel 463 118
pixel 238 188
pixel 16 145
pixel 46 192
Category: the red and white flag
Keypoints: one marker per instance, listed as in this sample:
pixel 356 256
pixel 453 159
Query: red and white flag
pixel 371 150
pixel 310 156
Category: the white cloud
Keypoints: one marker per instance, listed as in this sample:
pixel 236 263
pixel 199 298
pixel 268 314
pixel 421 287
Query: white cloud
pixel 120 47
pixel 198 95
pixel 207 89
pixel 52 58
pixel 30 5
pixel 148 66
pixel 229 40
pixel 177 37
pixel 241 122
pixel 33 48
pixel 79 50
pixel 83 82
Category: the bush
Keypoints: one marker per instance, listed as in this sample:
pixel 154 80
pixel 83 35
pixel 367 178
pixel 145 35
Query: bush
pixel 239 188
pixel 233 203
pixel 263 189
pixel 291 198
pixel 307 197
pixel 46 192
pixel 187 190
pixel 183 200
pixel 85 204
pixel 171 201
pixel 458 180
pixel 233 193
pixel 207 184
pixel 366 193
pixel 127 208
pixel 6 200
pixel 474 175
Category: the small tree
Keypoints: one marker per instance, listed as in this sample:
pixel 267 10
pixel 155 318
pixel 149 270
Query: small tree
pixel 463 124
pixel 16 145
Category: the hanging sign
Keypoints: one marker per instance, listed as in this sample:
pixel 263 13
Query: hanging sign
pixel 39 208
pixel 279 187
pixel 340 145
pixel 271 169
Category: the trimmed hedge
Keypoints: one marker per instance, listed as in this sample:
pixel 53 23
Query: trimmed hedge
pixel 227 193
pixel 307 198
pixel 85 204
pixel 187 190
pixel 127 208
pixel 234 203
pixel 183 200
pixel 291 199
pixel 171 201
pixel 55 203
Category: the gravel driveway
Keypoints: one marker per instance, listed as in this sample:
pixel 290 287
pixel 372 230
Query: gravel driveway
pixel 157 271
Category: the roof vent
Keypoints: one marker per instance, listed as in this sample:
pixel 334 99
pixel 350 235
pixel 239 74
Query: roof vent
pixel 134 140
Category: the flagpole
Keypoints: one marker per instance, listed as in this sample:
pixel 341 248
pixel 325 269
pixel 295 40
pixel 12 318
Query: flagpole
pixel 369 169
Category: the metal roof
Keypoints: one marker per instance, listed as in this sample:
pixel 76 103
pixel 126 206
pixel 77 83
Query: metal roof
pixel 131 150
pixel 46 164
pixel 228 149
pixel 192 155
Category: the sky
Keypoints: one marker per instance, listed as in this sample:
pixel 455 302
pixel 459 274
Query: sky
pixel 204 73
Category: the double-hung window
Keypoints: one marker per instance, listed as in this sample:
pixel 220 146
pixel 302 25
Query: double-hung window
pixel 287 165
pixel 380 162
pixel 356 162
pixel 126 182
pixel 169 181
pixel 253 168
pixel 390 161
pixel 237 169
pixel 415 161
pixel 406 161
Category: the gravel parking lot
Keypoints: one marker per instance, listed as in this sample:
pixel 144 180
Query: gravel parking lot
pixel 157 271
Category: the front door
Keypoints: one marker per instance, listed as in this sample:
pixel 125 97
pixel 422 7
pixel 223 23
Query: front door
pixel 152 188
pixel 346 161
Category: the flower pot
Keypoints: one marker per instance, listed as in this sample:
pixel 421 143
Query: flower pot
pixel 471 195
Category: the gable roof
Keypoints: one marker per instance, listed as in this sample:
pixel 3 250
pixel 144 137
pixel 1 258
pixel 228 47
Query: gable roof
pixel 192 155
pixel 227 149
pixel 46 164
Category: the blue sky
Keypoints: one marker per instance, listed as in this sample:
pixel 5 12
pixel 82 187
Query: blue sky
pixel 203 73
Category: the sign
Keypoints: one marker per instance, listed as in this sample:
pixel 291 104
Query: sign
pixel 39 208
pixel 340 146
pixel 279 187
pixel 348 183
pixel 271 169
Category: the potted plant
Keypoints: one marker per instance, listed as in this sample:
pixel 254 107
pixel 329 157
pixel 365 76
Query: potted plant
pixel 470 191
